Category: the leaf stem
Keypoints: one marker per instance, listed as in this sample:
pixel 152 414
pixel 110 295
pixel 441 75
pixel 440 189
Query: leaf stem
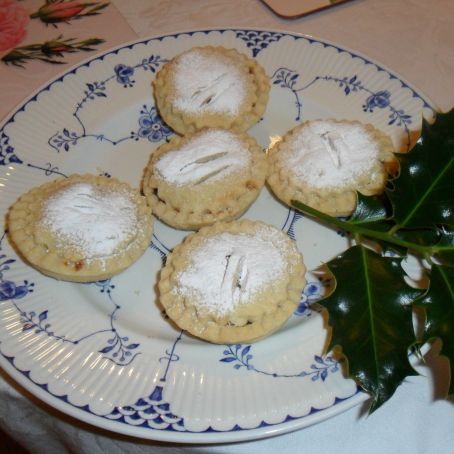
pixel 357 238
pixel 360 230
pixel 394 229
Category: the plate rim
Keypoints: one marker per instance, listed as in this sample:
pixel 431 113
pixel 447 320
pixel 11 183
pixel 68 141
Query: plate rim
pixel 262 430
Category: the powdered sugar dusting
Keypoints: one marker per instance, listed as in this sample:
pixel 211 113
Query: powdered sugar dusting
pixel 229 269
pixel 208 156
pixel 93 220
pixel 207 83
pixel 326 153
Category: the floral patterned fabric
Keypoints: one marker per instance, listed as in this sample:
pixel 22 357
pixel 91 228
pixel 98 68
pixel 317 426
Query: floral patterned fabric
pixel 13 22
pixel 40 38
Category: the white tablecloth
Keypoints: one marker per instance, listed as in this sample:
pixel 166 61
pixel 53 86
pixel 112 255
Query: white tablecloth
pixel 414 38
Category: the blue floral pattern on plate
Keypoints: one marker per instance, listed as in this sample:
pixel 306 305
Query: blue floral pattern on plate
pixel 289 78
pixel 118 349
pixel 7 152
pixel 241 357
pixel 151 125
pixel 123 75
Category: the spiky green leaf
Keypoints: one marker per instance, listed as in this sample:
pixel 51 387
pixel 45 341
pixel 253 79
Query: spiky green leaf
pixel 438 302
pixel 371 317
pixel 422 196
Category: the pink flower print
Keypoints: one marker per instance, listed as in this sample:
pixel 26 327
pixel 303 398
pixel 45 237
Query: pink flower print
pixel 13 22
pixel 64 11
pixel 61 10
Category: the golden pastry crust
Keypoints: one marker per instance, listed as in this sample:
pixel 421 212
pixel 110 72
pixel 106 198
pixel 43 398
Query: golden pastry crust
pixel 207 97
pixel 338 197
pixel 226 190
pixel 263 310
pixel 35 228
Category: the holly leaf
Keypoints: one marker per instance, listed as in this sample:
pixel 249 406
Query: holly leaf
pixel 445 247
pixel 423 237
pixel 370 312
pixel 438 302
pixel 369 209
pixel 419 196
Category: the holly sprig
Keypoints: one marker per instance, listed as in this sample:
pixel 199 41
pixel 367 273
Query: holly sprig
pixel 370 310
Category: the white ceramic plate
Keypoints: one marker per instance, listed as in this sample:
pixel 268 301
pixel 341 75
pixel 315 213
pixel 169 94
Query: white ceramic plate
pixel 103 352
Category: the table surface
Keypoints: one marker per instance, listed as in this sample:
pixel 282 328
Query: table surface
pixel 415 39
